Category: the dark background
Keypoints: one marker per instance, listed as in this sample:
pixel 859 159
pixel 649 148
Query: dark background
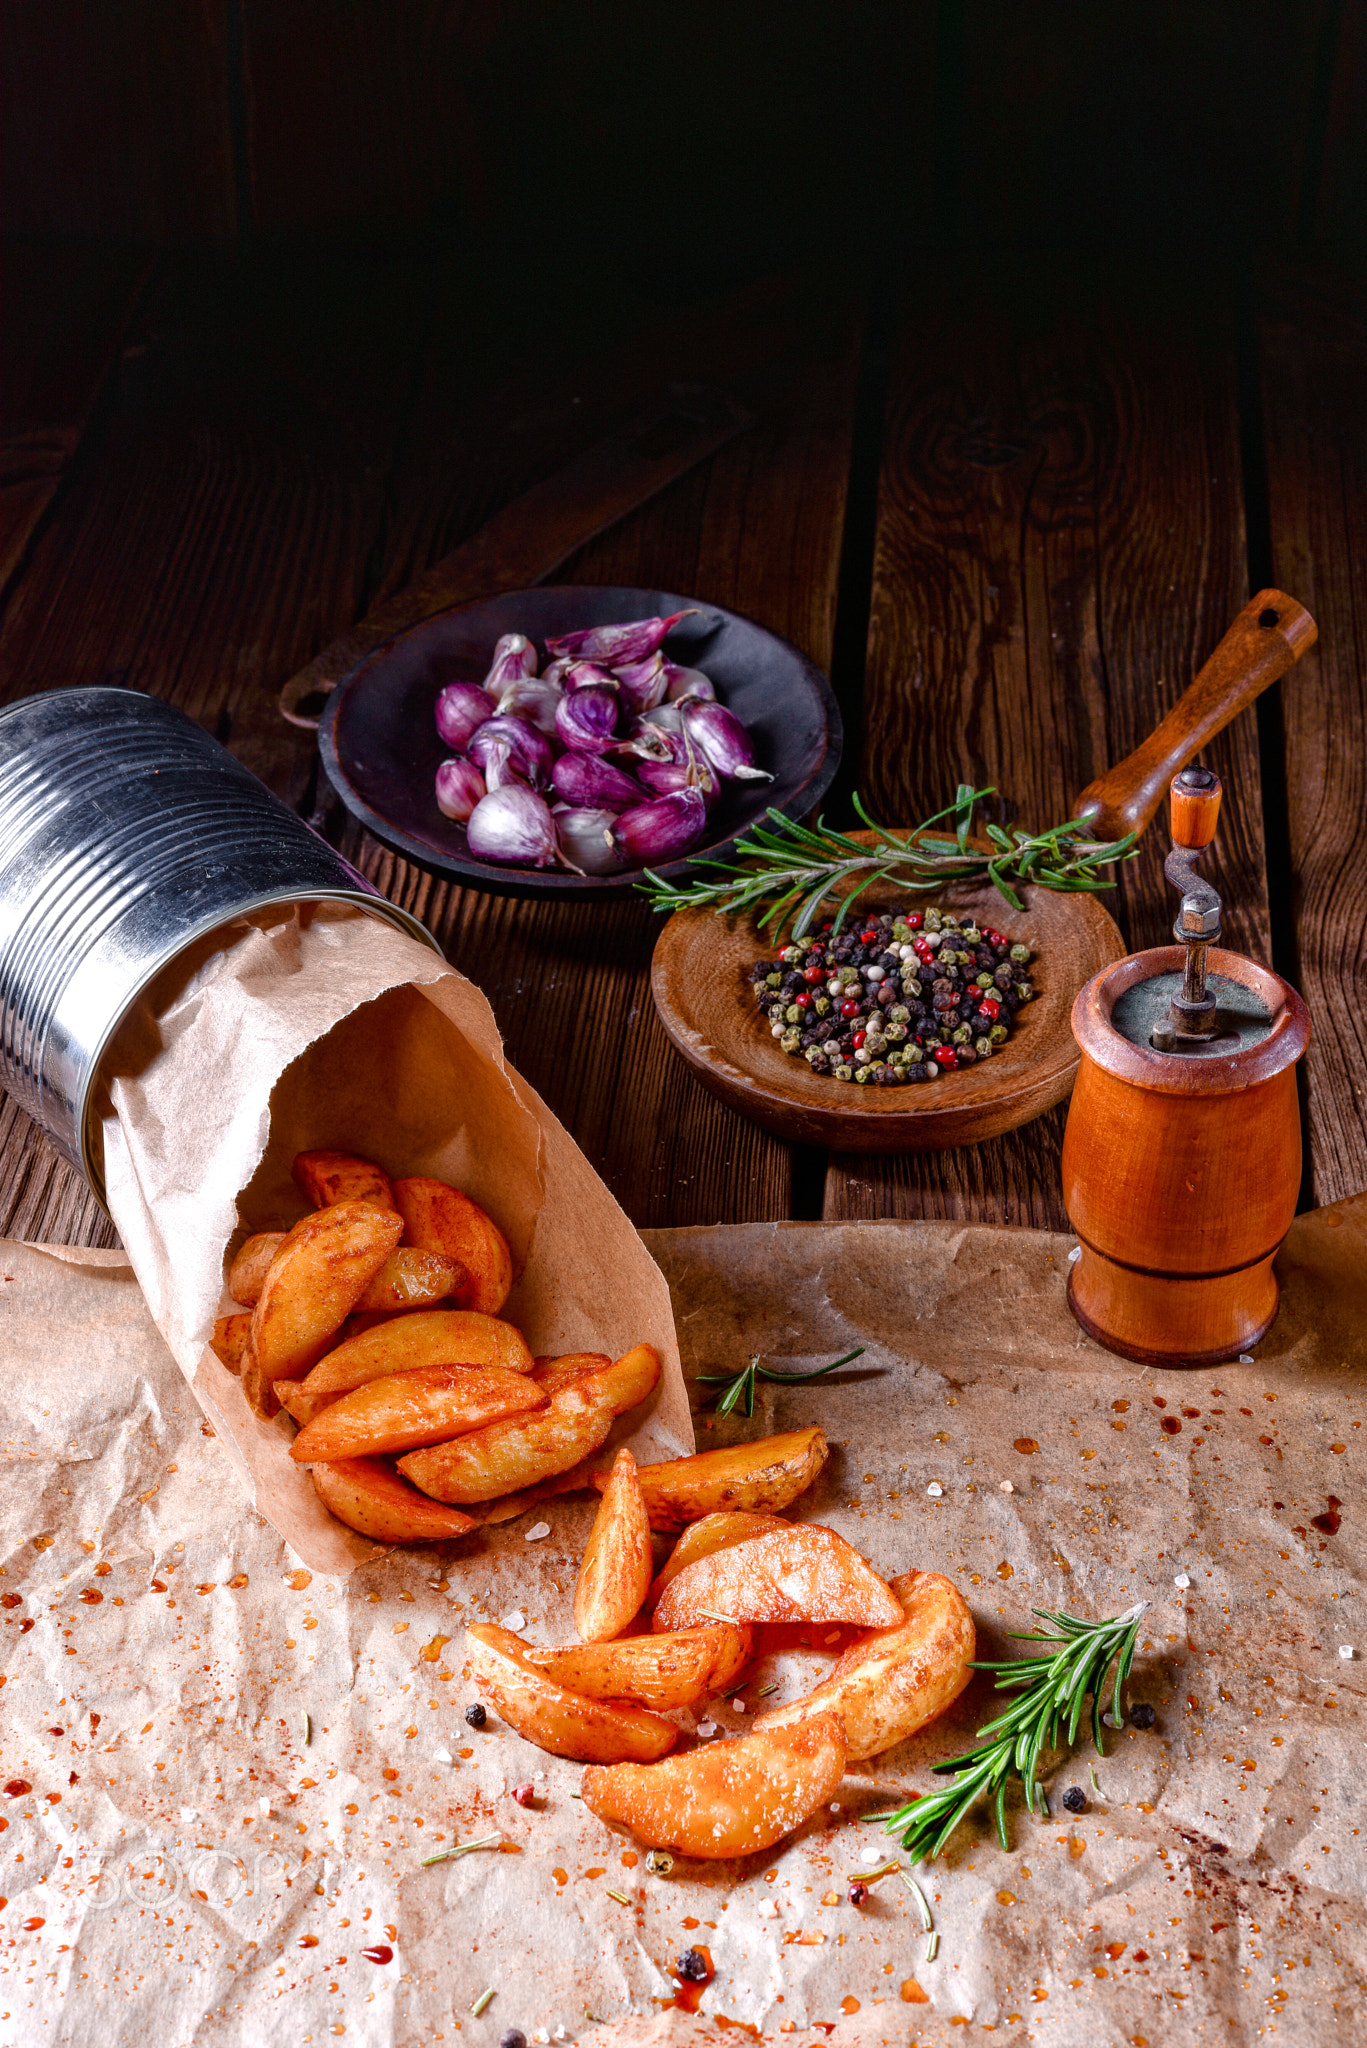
pixel 687 141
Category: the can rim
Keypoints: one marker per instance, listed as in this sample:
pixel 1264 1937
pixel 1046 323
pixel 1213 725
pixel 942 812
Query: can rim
pixel 374 906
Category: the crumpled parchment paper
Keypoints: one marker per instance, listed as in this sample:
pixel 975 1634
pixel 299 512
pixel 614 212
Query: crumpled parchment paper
pixel 179 1864
pixel 325 1027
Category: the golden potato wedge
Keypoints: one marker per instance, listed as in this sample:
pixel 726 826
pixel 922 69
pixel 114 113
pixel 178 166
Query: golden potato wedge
pixel 295 1399
pixel 444 1336
pixel 413 1408
pixel 702 1539
pixel 761 1476
pixel 555 1373
pixel 247 1273
pixel 331 1177
pixel 729 1798
pixel 229 1340
pixel 258 1388
pixel 367 1496
pixel 315 1280
pixel 892 1682
pixel 614 1577
pixel 438 1218
pixel 554 1719
pixel 411 1279
pixel 521 1451
pixel 653 1671
pixel 798 1571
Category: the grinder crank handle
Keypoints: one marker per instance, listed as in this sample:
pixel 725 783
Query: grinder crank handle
pixel 1269 634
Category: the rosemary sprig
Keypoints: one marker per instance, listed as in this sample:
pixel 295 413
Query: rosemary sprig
pixel 1052 1690
pixel 792 870
pixel 740 1387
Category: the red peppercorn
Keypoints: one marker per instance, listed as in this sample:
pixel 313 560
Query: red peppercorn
pixel 859 1038
pixel 946 1059
pixel 867 938
pixel 916 918
pixel 813 974
pixel 922 949
pixel 525 1795
pixel 802 1000
pixel 857 1894
pixel 990 1008
pixel 849 1008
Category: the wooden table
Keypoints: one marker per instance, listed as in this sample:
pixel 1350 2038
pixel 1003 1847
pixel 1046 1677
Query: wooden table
pixel 1009 508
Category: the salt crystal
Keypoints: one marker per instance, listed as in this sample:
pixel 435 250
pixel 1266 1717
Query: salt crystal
pixel 1245 1358
pixel 189 1813
pixel 537 1531
pixel 1007 1487
pixel 935 1489
pixel 738 1706
pixel 1346 1652
pixel 836 1806
pixel 1075 1254
pixel 442 1756
pixel 515 1621
pixel 263 1806
pixel 768 1910
pixel 706 1728
pixel 1182 1579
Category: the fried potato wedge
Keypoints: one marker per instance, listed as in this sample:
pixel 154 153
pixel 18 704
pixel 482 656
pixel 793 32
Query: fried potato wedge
pixel 757 1477
pixel 652 1671
pixel 892 1682
pixel 411 1279
pixel 728 1799
pixel 438 1218
pixel 413 1408
pixel 315 1280
pixel 554 1719
pixel 258 1388
pixel 451 1336
pixel 247 1273
pixel 519 1452
pixel 614 1577
pixel 368 1497
pixel 555 1373
pixel 331 1177
pixel 703 1539
pixel 229 1340
pixel 796 1572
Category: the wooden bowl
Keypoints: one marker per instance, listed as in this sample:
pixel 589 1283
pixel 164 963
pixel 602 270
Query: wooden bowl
pixel 698 980
pixel 379 745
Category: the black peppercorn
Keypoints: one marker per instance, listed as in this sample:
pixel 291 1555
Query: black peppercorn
pixel 476 1714
pixel 1075 1799
pixel 857 1894
pixel 692 1967
pixel 513 2038
pixel 1142 1716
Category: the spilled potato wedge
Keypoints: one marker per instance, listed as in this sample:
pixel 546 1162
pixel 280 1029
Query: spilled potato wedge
pixel 614 1577
pixel 443 1336
pixel 229 1340
pixel 368 1497
pixel 411 1279
pixel 315 1280
pixel 796 1572
pixel 728 1799
pixel 413 1408
pixel 331 1177
pixel 519 1452
pixel 703 1539
pixel 555 1373
pixel 653 1671
pixel 892 1682
pixel 247 1274
pixel 554 1719
pixel 761 1476
pixel 438 1218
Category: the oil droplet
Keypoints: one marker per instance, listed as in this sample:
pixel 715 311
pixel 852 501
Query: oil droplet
pixel 1115 1950
pixel 431 1652
pixel 102 1571
pixel 237 1581
pixel 561 1876
pixel 1006 1898
pixel 1329 1520
pixel 912 1994
pixel 1170 1425
pixel 849 2003
pixel 1076 1847
pixel 1120 1407
pixel 298 1580
pixel 629 1859
pixel 381 1953
pixel 92 1597
pixel 308 1941
pixel 32 1926
pixel 1026 1445
pixel 11 1599
pixel 389 1775
pixel 1005 1571
pixel 17 1787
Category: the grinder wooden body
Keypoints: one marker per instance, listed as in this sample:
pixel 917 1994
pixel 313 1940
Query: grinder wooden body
pixel 1180 1174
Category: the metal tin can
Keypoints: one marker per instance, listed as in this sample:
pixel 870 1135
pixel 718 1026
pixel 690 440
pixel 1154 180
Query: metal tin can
pixel 126 833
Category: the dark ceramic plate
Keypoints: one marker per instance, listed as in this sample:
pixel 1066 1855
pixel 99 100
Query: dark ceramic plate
pixel 380 748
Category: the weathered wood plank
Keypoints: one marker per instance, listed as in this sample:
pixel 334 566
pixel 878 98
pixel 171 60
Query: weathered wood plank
pixel 66 310
pixel 1060 543
pixel 1314 382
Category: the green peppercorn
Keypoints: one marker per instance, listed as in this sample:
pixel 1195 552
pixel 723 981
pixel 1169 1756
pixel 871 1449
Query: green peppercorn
pixel 998 1034
pixel 775 1013
pixel 773 981
pixel 791 1040
pixel 844 1072
pixel 899 1014
pixel 984 1048
pixel 933 921
pixel 1025 990
pixel 894 1032
pixel 985 981
pixel 1020 954
pixel 863 1074
pixel 961 1035
pixel 813 1052
pixel 792 1015
pixel 822 1006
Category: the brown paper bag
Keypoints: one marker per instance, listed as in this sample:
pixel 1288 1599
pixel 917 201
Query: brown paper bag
pixel 324 1026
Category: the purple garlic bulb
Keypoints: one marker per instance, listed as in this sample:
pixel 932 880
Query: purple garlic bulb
pixel 514 827
pixel 661 830
pixel 719 734
pixel 556 671
pixel 581 674
pixel 459 788
pixel 588 781
pixel 461 709
pixel 615 645
pixel 584 840
pixel 507 749
pixel 642 683
pixel 687 682
pixel 664 777
pixel 514 658
pixel 532 699
pixel 587 719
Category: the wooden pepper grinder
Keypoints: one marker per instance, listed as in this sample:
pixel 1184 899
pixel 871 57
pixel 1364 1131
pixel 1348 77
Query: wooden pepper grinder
pixel 1182 1154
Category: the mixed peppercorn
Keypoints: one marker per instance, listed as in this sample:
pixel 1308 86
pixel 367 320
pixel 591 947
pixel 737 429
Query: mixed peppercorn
pixel 895 998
